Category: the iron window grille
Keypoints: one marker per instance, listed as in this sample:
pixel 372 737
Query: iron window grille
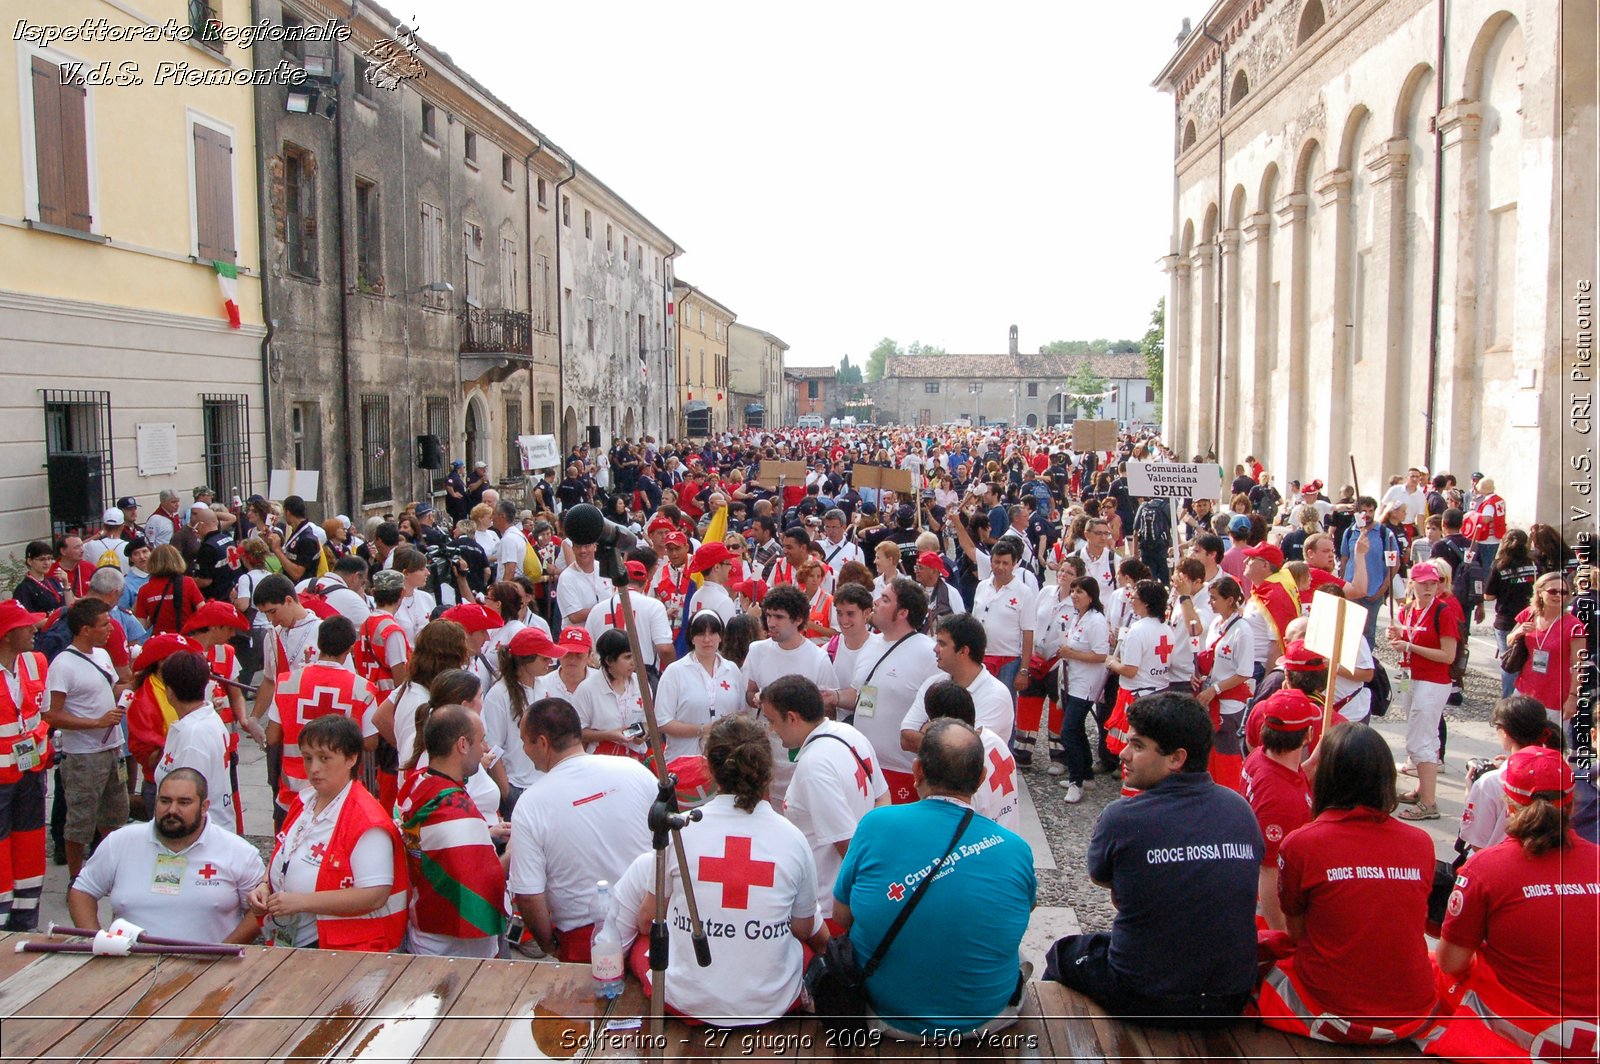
pixel 226 420
pixel 78 457
pixel 377 479
pixel 513 430
pixel 438 412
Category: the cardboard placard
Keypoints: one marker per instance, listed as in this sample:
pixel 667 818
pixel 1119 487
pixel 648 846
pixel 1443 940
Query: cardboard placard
pixel 900 481
pixel 1336 626
pixel 1094 435
pixel 769 473
pixel 282 483
pixel 539 452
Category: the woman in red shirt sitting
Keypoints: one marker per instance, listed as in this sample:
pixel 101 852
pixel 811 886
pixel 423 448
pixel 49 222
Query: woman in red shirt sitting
pixel 1425 636
pixel 1520 928
pixel 1353 885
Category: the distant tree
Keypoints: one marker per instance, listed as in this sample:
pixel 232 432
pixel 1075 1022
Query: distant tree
pixel 917 348
pixel 1154 347
pixel 848 374
pixel 1085 385
pixel 878 358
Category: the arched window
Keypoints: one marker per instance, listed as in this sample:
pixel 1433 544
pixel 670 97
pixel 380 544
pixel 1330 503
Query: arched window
pixel 1311 20
pixel 1241 88
pixel 1188 134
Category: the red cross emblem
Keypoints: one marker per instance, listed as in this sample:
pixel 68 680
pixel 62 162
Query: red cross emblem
pixel 1013 602
pixel 235 557
pixel 737 872
pixel 614 619
pixel 1226 651
pixel 863 773
pixel 317 851
pixel 322 702
pixel 208 870
pixel 347 882
pixel 1001 771
pixel 897 891
pixel 726 686
pixel 167 760
pixel 1164 648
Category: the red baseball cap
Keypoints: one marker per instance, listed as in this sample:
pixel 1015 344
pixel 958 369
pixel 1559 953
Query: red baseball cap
pixel 216 614
pixel 1288 709
pixel 159 648
pixel 12 615
pixel 677 539
pixel 1423 572
pixel 660 523
pixel 753 589
pixel 930 560
pixel 473 617
pixel 637 571
pixel 1534 771
pixel 574 640
pixel 1297 657
pixel 1267 552
pixel 533 643
pixel 709 556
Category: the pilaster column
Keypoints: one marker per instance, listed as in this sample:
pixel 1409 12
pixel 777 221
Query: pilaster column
pixel 1333 192
pixel 1455 398
pixel 1290 410
pixel 1174 410
pixel 1389 166
pixel 1229 415
pixel 1258 235
pixel 1205 381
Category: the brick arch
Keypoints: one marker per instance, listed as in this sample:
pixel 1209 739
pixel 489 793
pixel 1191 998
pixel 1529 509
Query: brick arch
pixel 1488 36
pixel 1405 102
pixel 1312 19
pixel 1238 203
pixel 1352 129
pixel 1302 165
pixel 1269 187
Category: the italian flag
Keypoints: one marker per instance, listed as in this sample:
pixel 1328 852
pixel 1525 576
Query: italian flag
pixel 228 281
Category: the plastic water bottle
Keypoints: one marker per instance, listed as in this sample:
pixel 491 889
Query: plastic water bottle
pixel 605 950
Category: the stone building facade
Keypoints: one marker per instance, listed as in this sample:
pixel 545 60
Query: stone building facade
pixel 1017 389
pixel 755 377
pixel 409 243
pixel 616 283
pixel 1323 303
pixel 810 390
pixel 703 325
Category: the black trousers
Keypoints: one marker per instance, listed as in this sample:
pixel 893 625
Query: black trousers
pixel 1083 963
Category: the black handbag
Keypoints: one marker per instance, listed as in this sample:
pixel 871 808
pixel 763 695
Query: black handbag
pixel 838 984
pixel 1515 659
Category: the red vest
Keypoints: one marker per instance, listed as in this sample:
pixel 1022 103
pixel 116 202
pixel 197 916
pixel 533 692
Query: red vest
pixel 369 658
pixel 383 929
pixel 223 663
pixel 315 691
pixel 24 720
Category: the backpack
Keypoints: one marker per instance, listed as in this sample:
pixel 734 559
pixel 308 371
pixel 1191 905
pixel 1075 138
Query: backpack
pixel 54 637
pixel 531 567
pixel 1466 574
pixel 1152 526
pixel 1380 690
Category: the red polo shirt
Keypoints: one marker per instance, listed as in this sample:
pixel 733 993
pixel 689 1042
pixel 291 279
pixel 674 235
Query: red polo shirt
pixel 1536 920
pixel 1361 879
pixel 1280 797
pixel 1319 578
pixel 1429 628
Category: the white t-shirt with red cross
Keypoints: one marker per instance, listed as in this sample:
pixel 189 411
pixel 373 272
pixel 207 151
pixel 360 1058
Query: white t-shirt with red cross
pixel 649 620
pixel 991 704
pixel 837 780
pixel 601 708
pixel 691 695
pixel 1006 613
pixel 766 662
pixel 997 797
pixel 896 681
pixel 1148 647
pixel 753 874
pixel 199 740
pixel 299 643
pixel 1232 644
pixel 583 821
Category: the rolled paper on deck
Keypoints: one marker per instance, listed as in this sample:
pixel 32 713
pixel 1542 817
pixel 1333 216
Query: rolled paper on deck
pixel 120 926
pixel 143 937
pixel 111 944
pixel 201 949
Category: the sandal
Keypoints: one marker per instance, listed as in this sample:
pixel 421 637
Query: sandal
pixel 1407 797
pixel 1419 812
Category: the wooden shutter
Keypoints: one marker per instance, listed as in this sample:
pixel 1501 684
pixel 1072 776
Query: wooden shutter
pixel 213 193
pixel 61 148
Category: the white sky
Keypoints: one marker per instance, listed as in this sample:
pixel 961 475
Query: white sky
pixel 840 172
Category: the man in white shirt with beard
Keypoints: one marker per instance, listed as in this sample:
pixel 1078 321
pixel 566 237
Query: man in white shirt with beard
pixel 959 649
pixel 891 668
pixel 785 652
pixel 837 779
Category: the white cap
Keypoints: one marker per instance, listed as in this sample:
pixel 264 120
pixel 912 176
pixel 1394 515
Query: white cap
pixel 113 516
pixel 344 520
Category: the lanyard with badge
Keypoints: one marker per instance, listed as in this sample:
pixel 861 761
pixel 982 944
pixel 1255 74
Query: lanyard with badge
pixel 285 930
pixel 1538 653
pixel 867 695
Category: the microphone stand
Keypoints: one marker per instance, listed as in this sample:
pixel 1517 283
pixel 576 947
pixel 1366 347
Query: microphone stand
pixel 666 821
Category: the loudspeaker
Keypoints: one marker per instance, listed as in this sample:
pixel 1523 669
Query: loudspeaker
pixel 76 488
pixel 594 435
pixel 430 455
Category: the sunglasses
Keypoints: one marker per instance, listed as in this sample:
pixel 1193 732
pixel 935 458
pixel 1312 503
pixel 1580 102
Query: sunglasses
pixel 1561 591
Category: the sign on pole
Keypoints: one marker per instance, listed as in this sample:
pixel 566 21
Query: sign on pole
pixel 1336 629
pixel 1090 435
pixel 539 452
pixel 282 483
pixel 1174 480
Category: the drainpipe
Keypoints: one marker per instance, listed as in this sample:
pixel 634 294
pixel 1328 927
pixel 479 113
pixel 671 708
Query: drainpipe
pixel 1438 246
pixel 345 391
pixel 561 323
pixel 669 424
pixel 261 255
pixel 1222 110
pixel 527 220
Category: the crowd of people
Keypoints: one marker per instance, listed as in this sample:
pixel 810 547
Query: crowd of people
pixel 851 683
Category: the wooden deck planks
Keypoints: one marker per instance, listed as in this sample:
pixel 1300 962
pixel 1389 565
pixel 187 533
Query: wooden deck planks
pixel 92 990
pixel 268 1015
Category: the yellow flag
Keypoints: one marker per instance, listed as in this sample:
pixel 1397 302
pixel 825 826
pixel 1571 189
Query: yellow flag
pixel 715 531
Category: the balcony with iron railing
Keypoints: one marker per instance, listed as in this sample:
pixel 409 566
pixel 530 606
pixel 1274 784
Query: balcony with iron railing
pixel 205 21
pixel 495 341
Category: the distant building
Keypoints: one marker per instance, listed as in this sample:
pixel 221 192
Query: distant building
pixel 755 377
pixel 1029 391
pixel 703 326
pixel 810 391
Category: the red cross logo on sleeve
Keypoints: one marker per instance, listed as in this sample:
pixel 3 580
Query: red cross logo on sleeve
pixel 737 872
pixel 1164 648
pixel 864 773
pixel 614 617
pixel 167 760
pixel 322 702
pixel 347 882
pixel 1001 771
pixel 897 891
pixel 208 870
pixel 317 851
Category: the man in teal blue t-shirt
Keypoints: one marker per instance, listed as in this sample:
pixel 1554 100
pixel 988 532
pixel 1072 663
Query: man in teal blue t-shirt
pixel 954 965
